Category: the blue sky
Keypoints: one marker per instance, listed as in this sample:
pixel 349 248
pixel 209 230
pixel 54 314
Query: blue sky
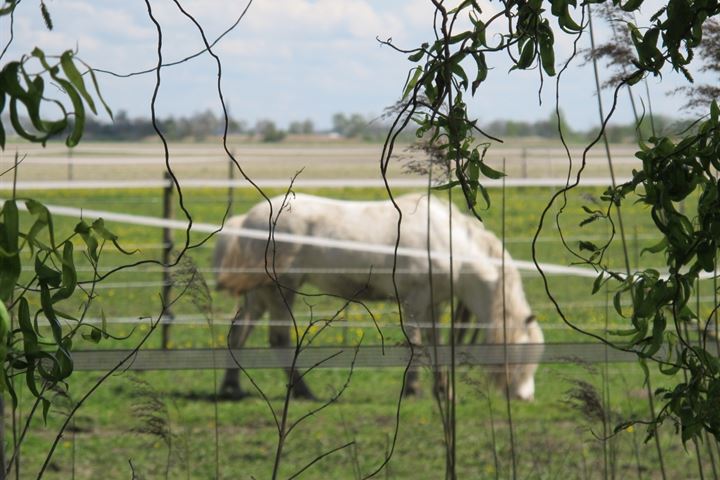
pixel 291 59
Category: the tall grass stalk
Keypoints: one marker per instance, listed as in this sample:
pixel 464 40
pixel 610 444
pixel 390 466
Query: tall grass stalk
pixel 636 446
pixel 17 412
pixel 441 401
pixel 611 170
pixel 450 391
pixel 505 343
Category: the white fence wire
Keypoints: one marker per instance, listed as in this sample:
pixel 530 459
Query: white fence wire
pixel 283 183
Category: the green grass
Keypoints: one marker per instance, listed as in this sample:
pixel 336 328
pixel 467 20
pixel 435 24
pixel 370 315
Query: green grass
pixel 553 440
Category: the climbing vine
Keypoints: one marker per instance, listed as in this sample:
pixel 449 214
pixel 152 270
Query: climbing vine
pixel 671 172
pixel 39 282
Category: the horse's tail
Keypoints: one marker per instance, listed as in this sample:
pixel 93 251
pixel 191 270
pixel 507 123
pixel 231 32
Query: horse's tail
pixel 239 261
pixel 233 259
pixel 223 245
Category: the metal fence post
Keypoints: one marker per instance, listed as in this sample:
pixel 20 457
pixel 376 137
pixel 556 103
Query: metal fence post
pixel 70 165
pixel 231 177
pixel 167 247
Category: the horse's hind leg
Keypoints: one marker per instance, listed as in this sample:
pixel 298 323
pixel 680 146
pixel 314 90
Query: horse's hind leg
pixel 462 324
pixel 462 317
pixel 280 337
pixel 242 325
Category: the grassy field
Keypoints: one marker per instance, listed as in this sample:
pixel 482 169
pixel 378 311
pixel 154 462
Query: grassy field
pixel 554 437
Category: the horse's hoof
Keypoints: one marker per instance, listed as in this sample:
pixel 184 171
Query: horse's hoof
pixel 411 391
pixel 303 394
pixel 231 392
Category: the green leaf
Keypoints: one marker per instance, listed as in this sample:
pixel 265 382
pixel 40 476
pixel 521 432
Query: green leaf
pixel 597 283
pixel 658 247
pixel 644 367
pixel 658 331
pixel 592 218
pixel 447 186
pixel 98 227
pixel 30 340
pixel 10 6
pixel 457 70
pixel 526 56
pixel 412 82
pixel 623 332
pixel 45 409
pixel 546 42
pixel 69 275
pixel 75 77
pixel 11 222
pixel 482 70
pixel 415 57
pixel 83 229
pixel 617 303
pixel 43 219
pixel 459 37
pixel 10 267
pixel 49 312
pixel 490 172
pixel 2 128
pixel 79 111
pixel 30 381
pixel 631 5
pixel 485 194
pixel 94 336
pixel 588 246
pixel 65 363
pixel 91 72
pixel 47 274
pixel 46 15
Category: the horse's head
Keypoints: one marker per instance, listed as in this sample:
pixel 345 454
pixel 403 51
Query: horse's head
pixel 520 377
pixel 522 380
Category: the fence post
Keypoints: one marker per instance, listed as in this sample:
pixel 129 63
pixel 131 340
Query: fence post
pixel 70 164
pixel 231 177
pixel 524 163
pixel 167 246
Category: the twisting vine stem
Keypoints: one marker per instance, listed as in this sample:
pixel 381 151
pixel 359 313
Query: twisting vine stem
pixel 671 172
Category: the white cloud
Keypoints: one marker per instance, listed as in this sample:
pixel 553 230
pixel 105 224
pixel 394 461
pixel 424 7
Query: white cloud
pixel 287 58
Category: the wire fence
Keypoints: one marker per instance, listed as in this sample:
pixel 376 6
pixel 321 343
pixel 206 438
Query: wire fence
pixel 348 356
pixel 332 183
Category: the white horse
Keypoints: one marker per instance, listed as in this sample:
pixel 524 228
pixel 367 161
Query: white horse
pixel 356 238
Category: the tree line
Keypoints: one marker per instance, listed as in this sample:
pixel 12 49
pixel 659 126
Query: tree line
pixel 205 125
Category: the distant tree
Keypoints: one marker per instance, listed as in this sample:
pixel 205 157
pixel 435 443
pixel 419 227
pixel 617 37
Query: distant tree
pixel 304 127
pixel 350 127
pixel 268 131
pixel 236 126
pixel 518 129
pixel 548 128
pixel 204 124
pixel 339 123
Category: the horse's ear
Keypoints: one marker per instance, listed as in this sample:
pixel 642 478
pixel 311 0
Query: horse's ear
pixel 530 319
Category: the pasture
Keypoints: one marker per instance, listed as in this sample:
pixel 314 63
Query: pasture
pixel 167 424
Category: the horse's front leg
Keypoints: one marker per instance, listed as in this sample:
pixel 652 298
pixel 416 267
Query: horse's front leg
pixel 242 326
pixel 416 313
pixel 280 337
